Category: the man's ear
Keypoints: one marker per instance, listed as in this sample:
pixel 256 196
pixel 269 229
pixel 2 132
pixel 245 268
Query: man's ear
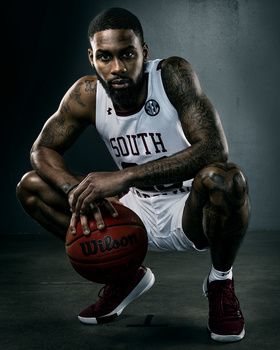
pixel 90 56
pixel 145 51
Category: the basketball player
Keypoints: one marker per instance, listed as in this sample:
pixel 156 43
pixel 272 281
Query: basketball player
pixel 168 143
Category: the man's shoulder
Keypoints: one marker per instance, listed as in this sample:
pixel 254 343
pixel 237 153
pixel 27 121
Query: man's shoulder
pixel 174 62
pixel 178 74
pixel 80 98
pixel 87 84
pixel 83 90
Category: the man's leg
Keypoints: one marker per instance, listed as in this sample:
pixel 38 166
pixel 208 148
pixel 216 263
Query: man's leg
pixel 44 204
pixel 216 214
pixel 51 210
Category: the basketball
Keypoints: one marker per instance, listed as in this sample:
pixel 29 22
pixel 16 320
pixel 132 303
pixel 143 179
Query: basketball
pixel 112 254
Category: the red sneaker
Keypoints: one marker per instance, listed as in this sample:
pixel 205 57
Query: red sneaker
pixel 113 298
pixel 226 322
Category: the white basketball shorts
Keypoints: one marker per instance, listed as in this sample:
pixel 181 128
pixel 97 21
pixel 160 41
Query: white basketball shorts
pixel 161 213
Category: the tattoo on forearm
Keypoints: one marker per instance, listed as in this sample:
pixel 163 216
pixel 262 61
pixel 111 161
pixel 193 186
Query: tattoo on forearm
pixel 172 169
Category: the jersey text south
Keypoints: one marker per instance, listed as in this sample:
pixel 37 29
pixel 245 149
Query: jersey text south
pixel 132 144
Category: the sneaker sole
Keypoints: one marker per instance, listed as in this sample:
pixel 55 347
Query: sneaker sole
pixel 204 287
pixel 219 337
pixel 143 286
pixel 227 338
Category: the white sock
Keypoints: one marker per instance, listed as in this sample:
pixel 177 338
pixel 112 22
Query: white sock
pixel 219 275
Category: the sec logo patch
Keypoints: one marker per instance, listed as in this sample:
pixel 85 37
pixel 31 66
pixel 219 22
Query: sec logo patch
pixel 152 108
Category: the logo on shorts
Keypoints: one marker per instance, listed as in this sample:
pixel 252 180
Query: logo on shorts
pixel 152 107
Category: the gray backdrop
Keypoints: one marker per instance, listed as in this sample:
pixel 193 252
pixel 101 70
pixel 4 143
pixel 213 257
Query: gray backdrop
pixel 234 48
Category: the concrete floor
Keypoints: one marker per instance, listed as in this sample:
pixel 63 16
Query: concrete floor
pixel 40 296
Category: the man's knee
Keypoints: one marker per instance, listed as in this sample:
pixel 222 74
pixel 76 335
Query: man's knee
pixel 222 177
pixel 27 187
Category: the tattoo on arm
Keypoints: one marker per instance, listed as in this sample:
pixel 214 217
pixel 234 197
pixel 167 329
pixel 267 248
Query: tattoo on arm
pixel 69 121
pixel 199 119
pixel 172 169
pixel 200 123
pixel 90 86
pixel 59 134
pixel 65 107
pixel 179 83
pixel 76 94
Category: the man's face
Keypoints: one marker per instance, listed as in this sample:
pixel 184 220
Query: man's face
pixel 118 58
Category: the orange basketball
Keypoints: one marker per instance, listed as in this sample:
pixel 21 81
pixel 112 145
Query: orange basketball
pixel 112 254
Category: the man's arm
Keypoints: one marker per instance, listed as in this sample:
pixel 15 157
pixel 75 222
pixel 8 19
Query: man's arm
pixel 75 113
pixel 200 123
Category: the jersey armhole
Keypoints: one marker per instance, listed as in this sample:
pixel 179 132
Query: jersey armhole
pixel 99 123
pixel 166 99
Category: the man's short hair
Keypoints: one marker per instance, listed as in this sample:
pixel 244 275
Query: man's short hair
pixel 115 18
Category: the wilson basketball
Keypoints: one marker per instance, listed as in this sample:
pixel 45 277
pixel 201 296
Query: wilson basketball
pixel 111 254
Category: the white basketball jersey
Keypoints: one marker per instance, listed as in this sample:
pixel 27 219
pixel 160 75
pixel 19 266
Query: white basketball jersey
pixel 152 133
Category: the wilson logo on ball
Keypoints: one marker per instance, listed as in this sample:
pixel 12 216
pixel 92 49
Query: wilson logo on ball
pixel 107 244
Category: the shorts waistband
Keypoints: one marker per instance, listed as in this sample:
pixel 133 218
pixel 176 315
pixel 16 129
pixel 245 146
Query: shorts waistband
pixel 143 194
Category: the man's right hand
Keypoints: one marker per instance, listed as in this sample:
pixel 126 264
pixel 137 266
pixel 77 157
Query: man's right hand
pixel 95 212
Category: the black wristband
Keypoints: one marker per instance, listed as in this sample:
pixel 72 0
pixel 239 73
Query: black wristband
pixel 66 188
